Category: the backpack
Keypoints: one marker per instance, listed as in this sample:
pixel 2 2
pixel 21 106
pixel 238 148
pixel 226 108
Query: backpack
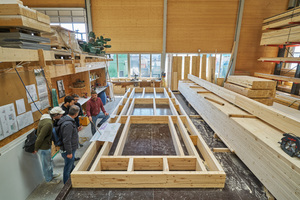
pixel 30 142
pixel 56 136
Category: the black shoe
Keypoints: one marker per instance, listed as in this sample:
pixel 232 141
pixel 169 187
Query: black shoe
pixel 81 145
pixel 99 125
pixel 76 159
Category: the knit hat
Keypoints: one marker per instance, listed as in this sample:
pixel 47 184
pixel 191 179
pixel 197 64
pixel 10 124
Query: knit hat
pixel 57 110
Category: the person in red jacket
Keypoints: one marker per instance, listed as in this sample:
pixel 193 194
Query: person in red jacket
pixel 93 111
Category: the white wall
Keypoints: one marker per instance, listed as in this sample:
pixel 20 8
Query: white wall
pixel 20 172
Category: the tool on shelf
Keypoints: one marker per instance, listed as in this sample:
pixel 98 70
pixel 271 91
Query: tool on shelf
pixel 95 45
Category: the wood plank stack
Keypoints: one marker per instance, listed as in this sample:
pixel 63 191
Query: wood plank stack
pixel 21 26
pixel 289 100
pixel 254 140
pixel 285 27
pixel 258 89
pixel 62 39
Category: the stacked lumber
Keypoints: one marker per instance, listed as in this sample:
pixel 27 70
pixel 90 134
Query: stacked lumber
pixel 284 28
pixel 292 101
pixel 21 26
pixel 258 89
pixel 254 140
pixel 62 39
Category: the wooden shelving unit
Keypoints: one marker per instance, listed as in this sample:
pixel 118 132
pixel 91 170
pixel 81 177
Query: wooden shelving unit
pixel 57 65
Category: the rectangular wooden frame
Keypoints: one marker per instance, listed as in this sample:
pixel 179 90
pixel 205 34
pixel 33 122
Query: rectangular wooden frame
pixel 98 169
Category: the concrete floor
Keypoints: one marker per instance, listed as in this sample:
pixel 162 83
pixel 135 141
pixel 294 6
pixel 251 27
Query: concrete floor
pixel 48 192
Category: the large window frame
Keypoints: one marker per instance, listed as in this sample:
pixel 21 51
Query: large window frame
pixel 70 16
pixel 140 66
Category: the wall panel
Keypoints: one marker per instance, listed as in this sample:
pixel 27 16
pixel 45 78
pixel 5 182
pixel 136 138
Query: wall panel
pixel 133 25
pixel 54 3
pixel 208 25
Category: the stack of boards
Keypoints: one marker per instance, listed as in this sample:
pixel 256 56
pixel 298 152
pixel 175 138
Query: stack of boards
pixel 62 39
pixel 21 27
pixel 282 29
pixel 258 89
pixel 292 101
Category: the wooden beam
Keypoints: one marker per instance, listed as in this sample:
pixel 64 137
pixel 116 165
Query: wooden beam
pixel 194 139
pixel 279 78
pixel 173 110
pixel 199 92
pixel 124 134
pixel 154 106
pixel 186 67
pixel 130 110
pixel 195 116
pixel 150 179
pixel 130 165
pixel 217 150
pixel 248 92
pixel 252 82
pixel 241 116
pixel 203 67
pixel 268 114
pixel 189 145
pixel 176 141
pixel 166 165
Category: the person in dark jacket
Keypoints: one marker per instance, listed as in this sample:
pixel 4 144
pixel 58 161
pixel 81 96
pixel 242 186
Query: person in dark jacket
pixel 68 102
pixel 76 98
pixel 69 135
pixel 44 141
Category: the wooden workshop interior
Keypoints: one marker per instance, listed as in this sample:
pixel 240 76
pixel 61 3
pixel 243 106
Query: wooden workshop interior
pixel 205 95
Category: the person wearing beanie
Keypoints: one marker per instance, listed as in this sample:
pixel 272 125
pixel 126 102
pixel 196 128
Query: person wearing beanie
pixel 44 141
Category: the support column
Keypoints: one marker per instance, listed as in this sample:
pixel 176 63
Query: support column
pixel 89 15
pixel 163 56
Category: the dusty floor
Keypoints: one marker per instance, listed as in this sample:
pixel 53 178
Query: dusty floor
pixel 240 182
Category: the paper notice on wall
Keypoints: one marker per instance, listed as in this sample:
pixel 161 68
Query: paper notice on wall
pixel 20 106
pixel 42 88
pixel 107 132
pixel 8 120
pixel 44 102
pixel 25 120
pixel 32 91
pixel 35 107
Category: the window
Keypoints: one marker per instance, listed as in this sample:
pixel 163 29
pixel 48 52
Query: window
pixel 156 65
pixel 113 68
pixel 73 19
pixel 123 65
pixel 134 65
pixel 222 61
pixel 145 65
pixel 224 65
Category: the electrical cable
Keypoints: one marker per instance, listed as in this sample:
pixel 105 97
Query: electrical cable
pixel 28 92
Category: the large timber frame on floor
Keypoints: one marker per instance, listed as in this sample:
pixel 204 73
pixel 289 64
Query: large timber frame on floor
pixel 252 130
pixel 99 169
